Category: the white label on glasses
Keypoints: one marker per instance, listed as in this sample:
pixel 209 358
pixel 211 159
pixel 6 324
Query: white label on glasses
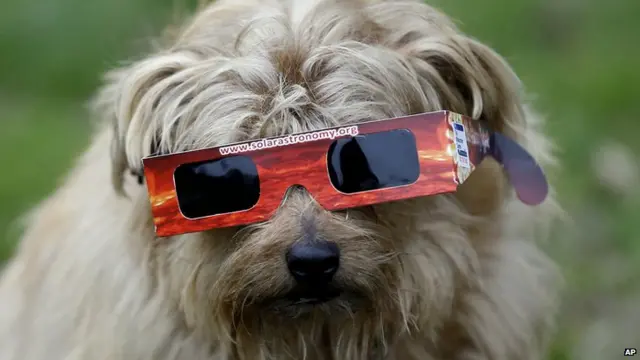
pixel 462 151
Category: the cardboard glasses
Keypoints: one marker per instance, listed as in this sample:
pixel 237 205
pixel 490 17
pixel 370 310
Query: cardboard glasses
pixel 341 167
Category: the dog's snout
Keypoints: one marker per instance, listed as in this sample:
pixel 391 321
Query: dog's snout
pixel 313 263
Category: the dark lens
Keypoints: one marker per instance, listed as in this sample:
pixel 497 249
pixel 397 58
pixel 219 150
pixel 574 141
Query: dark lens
pixel 373 161
pixel 217 187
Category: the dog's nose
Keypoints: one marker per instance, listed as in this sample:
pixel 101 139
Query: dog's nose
pixel 313 263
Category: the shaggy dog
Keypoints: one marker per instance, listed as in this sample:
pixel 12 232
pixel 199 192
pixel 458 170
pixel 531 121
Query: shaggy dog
pixel 455 276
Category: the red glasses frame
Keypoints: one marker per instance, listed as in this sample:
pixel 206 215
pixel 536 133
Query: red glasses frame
pixel 442 169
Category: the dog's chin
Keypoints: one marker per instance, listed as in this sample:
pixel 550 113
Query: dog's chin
pixel 327 301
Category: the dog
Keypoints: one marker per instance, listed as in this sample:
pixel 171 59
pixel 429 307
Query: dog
pixel 452 276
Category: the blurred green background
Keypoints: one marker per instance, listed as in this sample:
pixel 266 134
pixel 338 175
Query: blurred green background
pixel 578 58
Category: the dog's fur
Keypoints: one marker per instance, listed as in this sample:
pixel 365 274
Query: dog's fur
pixel 447 277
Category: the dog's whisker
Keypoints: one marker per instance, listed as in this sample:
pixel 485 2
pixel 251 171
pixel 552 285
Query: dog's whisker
pixel 184 259
pixel 345 307
pixel 188 289
pixel 243 306
pixel 243 232
pixel 411 290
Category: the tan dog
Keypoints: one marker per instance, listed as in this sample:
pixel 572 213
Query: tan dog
pixel 445 277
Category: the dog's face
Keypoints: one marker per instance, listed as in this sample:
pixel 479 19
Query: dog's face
pixel 352 275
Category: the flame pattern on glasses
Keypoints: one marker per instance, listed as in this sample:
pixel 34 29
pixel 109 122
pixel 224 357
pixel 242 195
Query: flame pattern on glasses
pixel 305 164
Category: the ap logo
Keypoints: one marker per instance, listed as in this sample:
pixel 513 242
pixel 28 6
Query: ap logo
pixel 630 352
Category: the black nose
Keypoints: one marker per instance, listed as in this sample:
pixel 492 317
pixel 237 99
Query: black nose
pixel 313 263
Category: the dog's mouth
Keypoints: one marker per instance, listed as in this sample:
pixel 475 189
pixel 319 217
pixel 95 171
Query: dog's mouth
pixel 300 301
pixel 312 296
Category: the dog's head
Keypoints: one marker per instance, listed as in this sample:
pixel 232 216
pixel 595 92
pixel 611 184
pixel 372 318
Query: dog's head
pixel 237 73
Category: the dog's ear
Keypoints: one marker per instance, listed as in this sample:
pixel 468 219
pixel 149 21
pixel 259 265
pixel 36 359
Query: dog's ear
pixel 126 103
pixel 469 77
pixel 473 79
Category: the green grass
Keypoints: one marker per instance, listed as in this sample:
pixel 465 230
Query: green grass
pixel 578 57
